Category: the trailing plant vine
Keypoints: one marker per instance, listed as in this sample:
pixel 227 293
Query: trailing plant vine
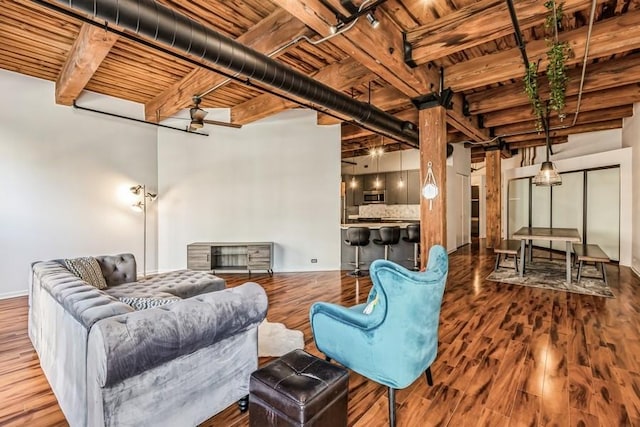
pixel 557 55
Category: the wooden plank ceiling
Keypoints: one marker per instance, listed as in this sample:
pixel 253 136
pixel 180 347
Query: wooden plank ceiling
pixel 471 41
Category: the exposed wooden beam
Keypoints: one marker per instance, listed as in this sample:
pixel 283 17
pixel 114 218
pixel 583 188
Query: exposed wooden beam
pixel 583 118
pixel 604 75
pixel 87 53
pixel 606 39
pixel 432 124
pixel 589 127
pixel 616 97
pixel 475 24
pixel 468 125
pixel 538 142
pixel 387 98
pixel 266 36
pixel 379 50
pixel 340 75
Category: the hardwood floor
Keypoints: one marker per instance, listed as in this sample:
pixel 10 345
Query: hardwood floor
pixel 508 355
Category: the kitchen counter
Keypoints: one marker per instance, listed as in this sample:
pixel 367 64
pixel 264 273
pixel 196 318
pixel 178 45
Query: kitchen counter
pixel 400 253
pixel 377 225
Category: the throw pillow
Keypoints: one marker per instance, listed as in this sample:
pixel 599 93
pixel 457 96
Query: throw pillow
pixel 88 269
pixel 142 303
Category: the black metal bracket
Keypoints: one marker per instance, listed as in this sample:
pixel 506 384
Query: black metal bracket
pixel 407 51
pixel 434 99
pixel 495 147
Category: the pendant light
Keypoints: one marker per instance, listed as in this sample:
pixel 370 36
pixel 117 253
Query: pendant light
pixel 401 182
pixel 548 174
pixel 354 183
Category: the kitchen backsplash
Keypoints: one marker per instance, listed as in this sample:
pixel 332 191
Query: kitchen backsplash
pixel 390 211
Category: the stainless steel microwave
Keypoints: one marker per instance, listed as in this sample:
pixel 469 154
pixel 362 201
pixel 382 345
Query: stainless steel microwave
pixel 374 196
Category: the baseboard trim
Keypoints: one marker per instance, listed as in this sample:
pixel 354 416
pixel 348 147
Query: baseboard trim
pixel 14 294
pixel 636 272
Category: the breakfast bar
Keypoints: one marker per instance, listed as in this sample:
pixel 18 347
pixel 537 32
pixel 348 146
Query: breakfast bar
pixel 400 253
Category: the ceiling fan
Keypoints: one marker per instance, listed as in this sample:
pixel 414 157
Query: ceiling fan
pixel 198 117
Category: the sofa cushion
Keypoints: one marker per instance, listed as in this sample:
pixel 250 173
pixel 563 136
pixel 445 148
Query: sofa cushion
pixel 118 269
pixel 142 303
pixel 182 283
pixel 88 269
pixel 84 302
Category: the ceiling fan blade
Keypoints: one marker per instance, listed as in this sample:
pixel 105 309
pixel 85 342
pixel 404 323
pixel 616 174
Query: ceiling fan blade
pixel 226 124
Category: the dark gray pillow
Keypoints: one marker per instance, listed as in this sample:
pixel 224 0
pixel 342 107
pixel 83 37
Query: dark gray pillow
pixel 88 269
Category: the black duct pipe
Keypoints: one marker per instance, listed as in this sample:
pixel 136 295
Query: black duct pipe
pixel 158 22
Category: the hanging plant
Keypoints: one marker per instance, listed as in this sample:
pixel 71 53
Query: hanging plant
pixel 557 55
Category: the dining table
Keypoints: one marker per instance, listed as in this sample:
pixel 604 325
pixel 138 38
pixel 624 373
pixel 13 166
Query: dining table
pixel 568 235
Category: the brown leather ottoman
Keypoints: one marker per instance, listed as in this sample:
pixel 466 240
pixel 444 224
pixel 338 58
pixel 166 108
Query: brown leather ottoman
pixel 298 389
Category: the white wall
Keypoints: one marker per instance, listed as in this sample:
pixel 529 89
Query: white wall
pixel 274 180
pixel 631 138
pixel 64 176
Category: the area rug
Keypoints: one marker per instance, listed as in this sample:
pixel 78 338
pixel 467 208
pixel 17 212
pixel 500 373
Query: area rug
pixel 274 339
pixel 548 274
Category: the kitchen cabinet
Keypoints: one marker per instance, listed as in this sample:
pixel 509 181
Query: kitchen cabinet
pixel 396 194
pixel 370 181
pixel 413 187
pixel 353 189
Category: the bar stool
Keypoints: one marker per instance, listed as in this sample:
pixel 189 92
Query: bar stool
pixel 357 236
pixel 413 236
pixel 388 236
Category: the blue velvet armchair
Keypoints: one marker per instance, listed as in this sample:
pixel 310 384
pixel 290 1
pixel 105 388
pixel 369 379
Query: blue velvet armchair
pixel 393 338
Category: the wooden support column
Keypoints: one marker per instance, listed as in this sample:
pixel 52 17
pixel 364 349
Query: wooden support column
pixel 433 143
pixel 494 199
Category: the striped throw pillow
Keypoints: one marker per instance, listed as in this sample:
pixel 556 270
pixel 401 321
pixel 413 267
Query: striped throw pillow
pixel 88 269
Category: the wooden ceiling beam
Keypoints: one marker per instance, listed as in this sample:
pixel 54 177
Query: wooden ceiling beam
pixel 468 125
pixel 606 39
pixel 538 142
pixel 340 76
pixel 266 36
pixel 477 23
pixel 380 49
pixel 386 98
pixel 604 75
pixel 85 56
pixel 600 100
pixel 589 127
pixel 583 118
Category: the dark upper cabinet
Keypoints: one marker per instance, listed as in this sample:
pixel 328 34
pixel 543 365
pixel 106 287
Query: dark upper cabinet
pixel 396 189
pixel 413 187
pixel 370 181
pixel 353 185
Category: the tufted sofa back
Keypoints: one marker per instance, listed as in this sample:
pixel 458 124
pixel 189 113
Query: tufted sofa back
pixel 118 269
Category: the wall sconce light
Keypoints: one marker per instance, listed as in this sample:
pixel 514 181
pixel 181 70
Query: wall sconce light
pixel 141 206
pixel 430 187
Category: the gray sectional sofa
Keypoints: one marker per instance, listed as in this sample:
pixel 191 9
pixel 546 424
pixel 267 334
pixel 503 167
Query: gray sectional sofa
pixel 174 365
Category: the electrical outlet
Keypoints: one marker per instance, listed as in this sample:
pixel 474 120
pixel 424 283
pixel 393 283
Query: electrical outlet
pixel 314 260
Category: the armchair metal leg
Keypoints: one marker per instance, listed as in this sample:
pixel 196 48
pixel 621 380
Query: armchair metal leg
pixel 428 375
pixel 327 358
pixel 392 407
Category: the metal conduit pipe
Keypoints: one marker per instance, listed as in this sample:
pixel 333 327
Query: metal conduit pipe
pixel 160 23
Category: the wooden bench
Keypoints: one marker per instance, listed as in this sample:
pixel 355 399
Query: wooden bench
pixel 506 248
pixel 591 253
